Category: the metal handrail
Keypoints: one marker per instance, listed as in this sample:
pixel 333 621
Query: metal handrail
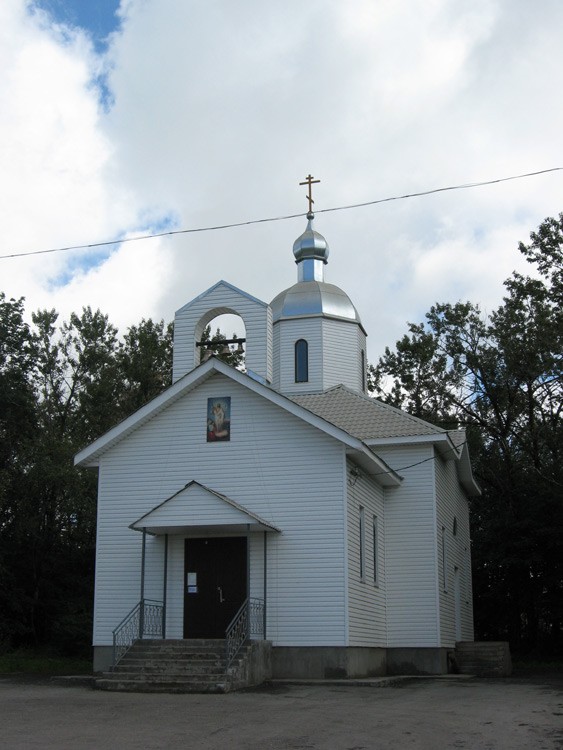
pixel 145 619
pixel 248 621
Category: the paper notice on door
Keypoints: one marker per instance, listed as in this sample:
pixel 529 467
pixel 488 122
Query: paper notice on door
pixel 192 583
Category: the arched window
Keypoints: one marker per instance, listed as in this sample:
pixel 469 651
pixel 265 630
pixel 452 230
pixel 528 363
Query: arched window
pixel 301 361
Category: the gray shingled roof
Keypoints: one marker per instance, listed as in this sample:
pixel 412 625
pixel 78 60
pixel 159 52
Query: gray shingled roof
pixel 363 417
pixel 458 437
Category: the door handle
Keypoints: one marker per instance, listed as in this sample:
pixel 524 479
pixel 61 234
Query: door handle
pixel 220 590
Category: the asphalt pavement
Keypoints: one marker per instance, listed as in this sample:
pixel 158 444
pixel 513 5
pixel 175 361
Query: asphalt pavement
pixel 426 714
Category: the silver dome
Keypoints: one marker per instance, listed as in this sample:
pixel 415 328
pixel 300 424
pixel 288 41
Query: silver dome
pixel 310 244
pixel 314 298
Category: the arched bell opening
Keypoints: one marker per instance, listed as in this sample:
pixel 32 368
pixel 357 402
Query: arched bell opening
pixel 221 333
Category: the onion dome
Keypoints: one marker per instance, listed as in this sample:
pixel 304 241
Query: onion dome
pixel 311 244
pixel 313 299
pixel 312 296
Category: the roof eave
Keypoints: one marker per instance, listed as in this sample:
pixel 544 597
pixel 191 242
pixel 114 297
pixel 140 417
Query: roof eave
pixel 374 466
pixel 465 473
pixel 440 439
pixel 90 455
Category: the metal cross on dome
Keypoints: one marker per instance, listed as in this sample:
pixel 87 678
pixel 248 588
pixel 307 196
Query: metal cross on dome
pixel 310 180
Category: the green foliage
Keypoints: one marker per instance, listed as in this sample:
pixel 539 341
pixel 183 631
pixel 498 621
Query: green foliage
pixel 60 388
pixel 501 377
pixel 145 363
pixel 38 662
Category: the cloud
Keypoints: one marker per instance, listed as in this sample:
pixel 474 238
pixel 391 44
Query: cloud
pixel 220 109
pixel 57 186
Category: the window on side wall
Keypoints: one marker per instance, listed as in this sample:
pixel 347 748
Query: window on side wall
pixel 444 559
pixel 375 552
pixel 362 545
pixel 301 361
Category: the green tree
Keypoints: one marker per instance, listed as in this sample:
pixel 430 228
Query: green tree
pixel 17 429
pixel 145 363
pixel 61 386
pixel 51 541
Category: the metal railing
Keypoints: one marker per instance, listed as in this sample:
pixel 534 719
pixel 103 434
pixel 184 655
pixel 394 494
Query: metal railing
pixel 248 622
pixel 146 619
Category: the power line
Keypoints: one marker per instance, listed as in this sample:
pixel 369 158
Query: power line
pixel 410 466
pixel 218 227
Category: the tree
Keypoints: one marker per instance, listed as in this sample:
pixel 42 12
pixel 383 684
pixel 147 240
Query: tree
pixel 61 386
pixel 501 378
pixel 17 428
pixel 50 542
pixel 144 360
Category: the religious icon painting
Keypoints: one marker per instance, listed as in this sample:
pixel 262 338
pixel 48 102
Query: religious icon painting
pixel 218 419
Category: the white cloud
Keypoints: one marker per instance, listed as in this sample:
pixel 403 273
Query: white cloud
pixel 221 108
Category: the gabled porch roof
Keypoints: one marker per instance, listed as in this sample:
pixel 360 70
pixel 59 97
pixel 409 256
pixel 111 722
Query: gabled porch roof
pixel 199 510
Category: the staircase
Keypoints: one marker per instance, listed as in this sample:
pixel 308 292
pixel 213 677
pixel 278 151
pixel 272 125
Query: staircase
pixel 186 666
pixel 483 658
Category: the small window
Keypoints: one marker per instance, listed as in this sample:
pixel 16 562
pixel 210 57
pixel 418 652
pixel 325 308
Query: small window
pixel 363 364
pixel 454 527
pixel 362 545
pixel 467 575
pixel 444 560
pixel 375 552
pixel 301 361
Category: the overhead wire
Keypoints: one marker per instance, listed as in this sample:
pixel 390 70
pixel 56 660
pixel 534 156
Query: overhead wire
pixel 218 227
pixel 417 463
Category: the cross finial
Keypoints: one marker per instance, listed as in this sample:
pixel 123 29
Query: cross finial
pixel 309 180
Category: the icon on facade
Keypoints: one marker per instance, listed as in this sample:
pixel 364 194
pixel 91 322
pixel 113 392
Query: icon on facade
pixel 218 419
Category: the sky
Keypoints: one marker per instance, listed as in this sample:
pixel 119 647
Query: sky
pixel 120 119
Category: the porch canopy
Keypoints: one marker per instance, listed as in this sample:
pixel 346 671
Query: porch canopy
pixel 199 510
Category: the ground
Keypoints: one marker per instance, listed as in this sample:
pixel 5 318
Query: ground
pixel 423 714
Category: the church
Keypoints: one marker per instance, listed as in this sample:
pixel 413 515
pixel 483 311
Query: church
pixel 280 506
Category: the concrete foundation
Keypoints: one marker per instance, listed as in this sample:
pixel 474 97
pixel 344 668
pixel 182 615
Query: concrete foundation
pixel 327 662
pixel 258 663
pixel 102 658
pixel 417 660
pixel 333 662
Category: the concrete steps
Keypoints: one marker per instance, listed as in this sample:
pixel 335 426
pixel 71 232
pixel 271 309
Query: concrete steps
pixel 186 666
pixel 483 658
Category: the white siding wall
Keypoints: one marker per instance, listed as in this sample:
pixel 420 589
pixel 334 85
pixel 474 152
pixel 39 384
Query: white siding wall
pixel 191 320
pixel 266 467
pixel 276 348
pixel 342 345
pixel 366 599
pixel 175 588
pixel 334 354
pixel 410 549
pixel 451 504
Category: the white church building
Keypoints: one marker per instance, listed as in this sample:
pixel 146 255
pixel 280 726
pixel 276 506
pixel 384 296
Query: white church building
pixel 282 503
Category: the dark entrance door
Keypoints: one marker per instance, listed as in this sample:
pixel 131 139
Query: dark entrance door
pixel 214 584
